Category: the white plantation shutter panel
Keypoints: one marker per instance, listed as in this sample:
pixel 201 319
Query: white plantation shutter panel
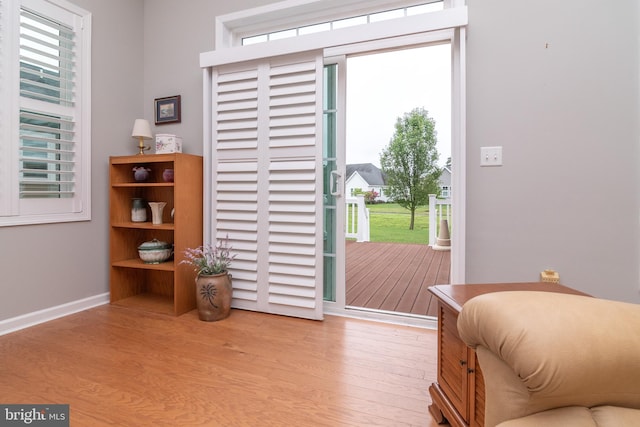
pixel 235 180
pixel 266 193
pixel 236 207
pixel 47 59
pixel 292 234
pixel 47 115
pixel 47 155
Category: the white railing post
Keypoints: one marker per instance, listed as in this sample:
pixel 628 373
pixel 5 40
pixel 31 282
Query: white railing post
pixel 357 224
pixel 367 230
pixel 350 223
pixel 432 219
pixel 363 219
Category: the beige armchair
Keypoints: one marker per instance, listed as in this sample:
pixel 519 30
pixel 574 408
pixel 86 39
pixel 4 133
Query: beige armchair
pixel 552 359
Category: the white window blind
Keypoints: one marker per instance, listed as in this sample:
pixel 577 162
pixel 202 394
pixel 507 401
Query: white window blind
pixel 47 59
pixel 46 155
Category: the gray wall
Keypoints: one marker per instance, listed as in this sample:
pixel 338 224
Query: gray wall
pixel 175 33
pixel 44 266
pixel 565 113
pixel 556 85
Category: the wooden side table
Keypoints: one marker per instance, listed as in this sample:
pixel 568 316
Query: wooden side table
pixel 458 395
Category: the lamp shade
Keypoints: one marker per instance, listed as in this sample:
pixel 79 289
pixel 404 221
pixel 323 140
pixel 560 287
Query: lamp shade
pixel 141 129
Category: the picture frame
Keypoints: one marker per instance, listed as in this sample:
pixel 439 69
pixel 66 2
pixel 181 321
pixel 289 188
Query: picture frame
pixel 167 110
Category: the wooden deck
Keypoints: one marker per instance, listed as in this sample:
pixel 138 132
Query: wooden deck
pixel 394 277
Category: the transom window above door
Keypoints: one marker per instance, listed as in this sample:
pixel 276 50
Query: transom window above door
pixel 289 19
pixel 345 22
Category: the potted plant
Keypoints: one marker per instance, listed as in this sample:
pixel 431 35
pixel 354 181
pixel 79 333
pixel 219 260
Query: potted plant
pixel 213 280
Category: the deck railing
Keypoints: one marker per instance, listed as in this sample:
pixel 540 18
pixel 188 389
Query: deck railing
pixel 357 224
pixel 439 209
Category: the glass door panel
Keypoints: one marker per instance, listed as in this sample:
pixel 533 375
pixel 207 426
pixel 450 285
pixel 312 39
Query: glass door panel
pixel 332 181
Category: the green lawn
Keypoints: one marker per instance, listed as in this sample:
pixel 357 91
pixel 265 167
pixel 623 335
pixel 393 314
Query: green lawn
pixel 390 223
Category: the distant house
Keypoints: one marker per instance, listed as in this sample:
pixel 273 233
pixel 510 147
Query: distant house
pixel 445 183
pixel 365 177
pixel 368 177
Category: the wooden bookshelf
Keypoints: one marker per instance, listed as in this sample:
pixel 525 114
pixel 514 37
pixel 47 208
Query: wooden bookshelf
pixel 167 287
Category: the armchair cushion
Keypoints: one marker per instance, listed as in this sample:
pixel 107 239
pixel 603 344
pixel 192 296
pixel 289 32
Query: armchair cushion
pixel 541 350
pixel 578 416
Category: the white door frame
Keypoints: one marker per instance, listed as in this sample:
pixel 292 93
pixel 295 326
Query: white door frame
pixel 338 55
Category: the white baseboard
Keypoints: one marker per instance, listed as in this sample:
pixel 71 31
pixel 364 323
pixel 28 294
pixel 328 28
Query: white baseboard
pixel 30 319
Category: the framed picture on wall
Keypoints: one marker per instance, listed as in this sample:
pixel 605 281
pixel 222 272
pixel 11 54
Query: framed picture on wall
pixel 167 110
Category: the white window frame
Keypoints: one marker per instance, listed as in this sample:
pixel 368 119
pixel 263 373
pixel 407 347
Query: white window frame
pixel 13 210
pixel 455 38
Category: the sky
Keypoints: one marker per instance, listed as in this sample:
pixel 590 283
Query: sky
pixel 382 87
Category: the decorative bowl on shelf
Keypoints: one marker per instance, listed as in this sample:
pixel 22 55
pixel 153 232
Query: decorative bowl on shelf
pixel 155 251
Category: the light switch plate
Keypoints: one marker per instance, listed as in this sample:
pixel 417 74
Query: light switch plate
pixel 490 156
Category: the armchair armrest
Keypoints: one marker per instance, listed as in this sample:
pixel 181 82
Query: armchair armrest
pixel 542 350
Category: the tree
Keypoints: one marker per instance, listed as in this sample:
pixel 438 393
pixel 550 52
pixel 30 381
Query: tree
pixel 410 161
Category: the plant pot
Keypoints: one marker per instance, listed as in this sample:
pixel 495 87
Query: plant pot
pixel 213 296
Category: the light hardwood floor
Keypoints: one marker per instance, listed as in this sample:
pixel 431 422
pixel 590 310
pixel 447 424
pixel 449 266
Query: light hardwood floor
pixel 117 366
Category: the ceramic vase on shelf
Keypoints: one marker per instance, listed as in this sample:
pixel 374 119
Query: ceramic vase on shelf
pixel 140 173
pixel 138 210
pixel 213 296
pixel 156 212
pixel 167 175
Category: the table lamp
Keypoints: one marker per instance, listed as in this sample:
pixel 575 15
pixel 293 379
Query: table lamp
pixel 142 131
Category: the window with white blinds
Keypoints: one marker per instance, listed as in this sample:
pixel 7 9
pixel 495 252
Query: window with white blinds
pixel 46 156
